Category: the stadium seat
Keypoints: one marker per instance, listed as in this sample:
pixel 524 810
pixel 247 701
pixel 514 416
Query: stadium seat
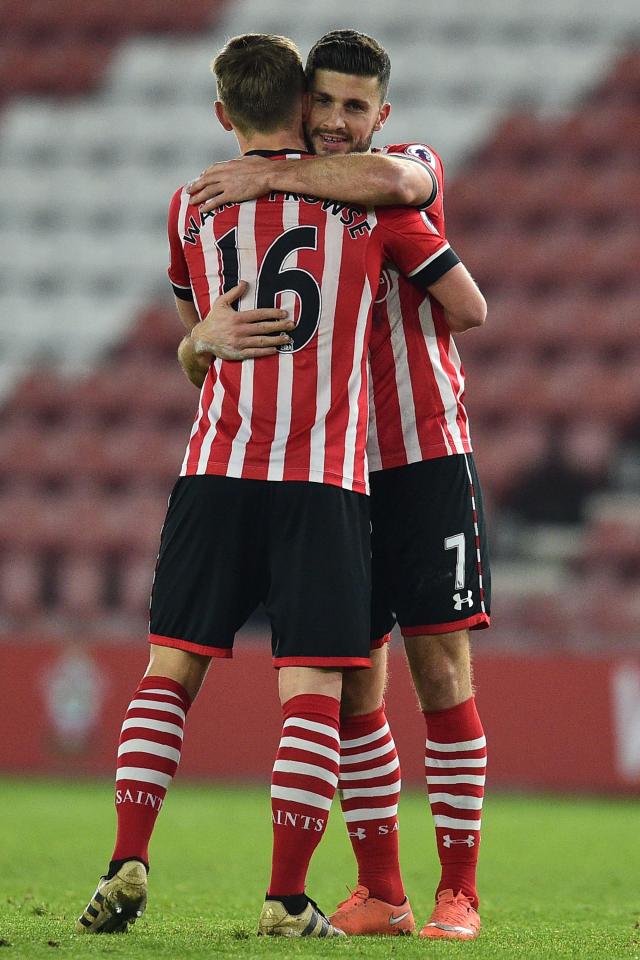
pixel 622 86
pixel 597 135
pixel 136 576
pixel 81 586
pixel 521 139
pixel 21 582
pixel 612 538
pixel 68 70
pixel 142 452
pixel 157 331
pixel 609 609
pixel 504 454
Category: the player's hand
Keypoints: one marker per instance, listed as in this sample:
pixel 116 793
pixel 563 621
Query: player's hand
pixel 231 182
pixel 241 335
pixel 195 365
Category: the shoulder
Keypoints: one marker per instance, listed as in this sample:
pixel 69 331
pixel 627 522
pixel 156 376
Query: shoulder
pixel 420 152
pixel 177 198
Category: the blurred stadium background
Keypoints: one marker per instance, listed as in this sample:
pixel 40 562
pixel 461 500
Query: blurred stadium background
pixel 535 109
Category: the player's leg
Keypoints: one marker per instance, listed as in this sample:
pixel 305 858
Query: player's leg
pixel 318 601
pixel 429 517
pixel 305 776
pixel 150 746
pixel 455 759
pixel 187 669
pixel 194 615
pixel 369 792
pixel 148 756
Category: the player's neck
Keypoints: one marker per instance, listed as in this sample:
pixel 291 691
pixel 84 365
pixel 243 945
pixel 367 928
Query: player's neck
pixel 288 138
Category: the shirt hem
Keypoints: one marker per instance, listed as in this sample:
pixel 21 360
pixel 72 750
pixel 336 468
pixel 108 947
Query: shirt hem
pixel 257 472
pixel 434 453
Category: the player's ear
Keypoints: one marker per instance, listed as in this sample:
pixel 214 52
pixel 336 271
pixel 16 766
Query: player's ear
pixel 306 106
pixel 221 114
pixel 385 110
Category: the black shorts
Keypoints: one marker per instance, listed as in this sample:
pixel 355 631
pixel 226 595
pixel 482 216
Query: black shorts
pixel 430 568
pixel 303 549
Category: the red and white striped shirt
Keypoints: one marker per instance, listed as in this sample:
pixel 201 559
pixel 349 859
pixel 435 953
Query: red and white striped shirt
pixel 417 407
pixel 301 414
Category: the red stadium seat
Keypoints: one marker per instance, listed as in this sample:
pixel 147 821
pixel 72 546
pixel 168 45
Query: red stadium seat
pixel 42 394
pixel 143 453
pixel 612 540
pixel 81 586
pixel 20 584
pixel 138 387
pixel 159 17
pixel 67 69
pixel 64 47
pixel 131 523
pixel 136 577
pixel 598 134
pixel 505 454
pixel 157 330
pixel 622 86
pixel 520 140
pixel 610 610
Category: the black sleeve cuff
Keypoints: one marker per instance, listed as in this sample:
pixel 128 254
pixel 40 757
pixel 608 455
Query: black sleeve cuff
pixel 182 293
pixel 434 268
pixel 434 180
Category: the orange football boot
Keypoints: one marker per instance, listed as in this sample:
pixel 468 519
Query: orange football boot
pixel 364 916
pixel 453 918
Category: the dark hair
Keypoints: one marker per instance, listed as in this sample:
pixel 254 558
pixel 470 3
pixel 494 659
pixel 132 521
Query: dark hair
pixel 260 81
pixel 347 51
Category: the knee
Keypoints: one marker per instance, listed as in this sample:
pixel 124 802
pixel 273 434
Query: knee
pixel 187 669
pixel 358 700
pixel 363 690
pixel 441 669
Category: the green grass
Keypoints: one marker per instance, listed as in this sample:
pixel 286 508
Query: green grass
pixel 559 878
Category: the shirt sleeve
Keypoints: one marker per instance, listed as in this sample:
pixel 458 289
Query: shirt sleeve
pixel 178 269
pixel 430 162
pixel 410 240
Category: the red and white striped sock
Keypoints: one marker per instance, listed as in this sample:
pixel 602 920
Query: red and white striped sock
pixel 455 761
pixel 148 757
pixel 303 784
pixel 369 790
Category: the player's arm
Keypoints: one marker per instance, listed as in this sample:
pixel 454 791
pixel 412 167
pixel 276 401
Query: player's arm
pixel 224 332
pixel 359 178
pixel 194 364
pixel 187 312
pixel 231 334
pixel 450 283
pixel 464 305
pixel 407 238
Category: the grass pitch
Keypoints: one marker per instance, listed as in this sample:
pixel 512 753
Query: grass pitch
pixel 559 878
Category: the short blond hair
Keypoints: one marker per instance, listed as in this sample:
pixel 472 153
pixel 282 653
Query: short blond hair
pixel 260 81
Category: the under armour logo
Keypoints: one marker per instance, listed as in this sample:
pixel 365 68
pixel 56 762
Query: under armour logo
pixel 469 841
pixel 460 600
pixel 358 834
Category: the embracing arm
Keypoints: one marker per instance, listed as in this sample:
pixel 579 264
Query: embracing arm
pixel 194 364
pixel 464 305
pixel 229 334
pixel 359 178
pixel 407 236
